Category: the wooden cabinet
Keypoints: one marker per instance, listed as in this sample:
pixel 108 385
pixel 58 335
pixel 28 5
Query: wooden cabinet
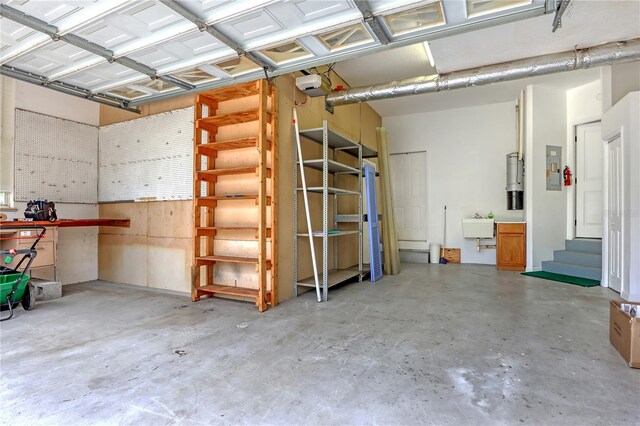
pixel 511 246
pixel 43 266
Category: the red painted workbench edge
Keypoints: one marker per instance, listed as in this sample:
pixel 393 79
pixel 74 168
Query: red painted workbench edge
pixel 70 223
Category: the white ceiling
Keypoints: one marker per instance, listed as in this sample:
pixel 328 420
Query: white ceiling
pixel 111 48
pixel 585 23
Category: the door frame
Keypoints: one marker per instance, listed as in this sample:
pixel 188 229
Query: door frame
pixel 428 177
pixel 572 162
pixel 623 120
pixel 605 216
pixel 574 171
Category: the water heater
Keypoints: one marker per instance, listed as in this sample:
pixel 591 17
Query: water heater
pixel 515 181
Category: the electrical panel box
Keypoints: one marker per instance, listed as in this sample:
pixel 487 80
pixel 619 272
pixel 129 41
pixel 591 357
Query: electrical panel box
pixel 554 168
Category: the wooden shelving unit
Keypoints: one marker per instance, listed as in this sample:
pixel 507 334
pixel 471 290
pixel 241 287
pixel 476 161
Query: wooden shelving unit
pixel 210 194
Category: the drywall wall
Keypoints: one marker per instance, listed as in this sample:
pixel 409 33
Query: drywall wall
pixel 466 167
pixel 584 105
pixel 7 115
pixel 625 78
pixel 617 81
pixel 77 248
pixel 546 211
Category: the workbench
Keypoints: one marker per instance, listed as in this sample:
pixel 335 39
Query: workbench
pixel 69 223
pixel 21 234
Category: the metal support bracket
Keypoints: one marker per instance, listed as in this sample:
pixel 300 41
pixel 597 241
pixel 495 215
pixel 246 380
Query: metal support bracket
pixel 557 19
pixel 371 21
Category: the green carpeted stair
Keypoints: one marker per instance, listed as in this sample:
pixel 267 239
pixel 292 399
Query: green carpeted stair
pixel 582 282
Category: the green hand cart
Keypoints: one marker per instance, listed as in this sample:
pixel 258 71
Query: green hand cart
pixel 15 287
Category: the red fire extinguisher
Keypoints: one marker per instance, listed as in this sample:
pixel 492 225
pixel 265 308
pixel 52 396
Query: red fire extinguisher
pixel 567 176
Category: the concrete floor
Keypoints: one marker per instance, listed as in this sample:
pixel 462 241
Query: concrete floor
pixel 438 344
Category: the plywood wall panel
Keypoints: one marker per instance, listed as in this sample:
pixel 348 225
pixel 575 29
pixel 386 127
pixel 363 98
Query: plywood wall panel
pixel 77 255
pixel 286 145
pixel 169 263
pixel 123 259
pixel 170 219
pixel 135 212
pixel 154 252
pixel 111 115
pixel 369 121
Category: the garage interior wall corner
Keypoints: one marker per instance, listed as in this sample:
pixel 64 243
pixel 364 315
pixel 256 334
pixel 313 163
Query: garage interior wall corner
pixel 77 255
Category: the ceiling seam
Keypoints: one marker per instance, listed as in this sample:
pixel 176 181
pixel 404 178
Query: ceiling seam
pixel 88 21
pixel 102 98
pixel 203 26
pixel 52 31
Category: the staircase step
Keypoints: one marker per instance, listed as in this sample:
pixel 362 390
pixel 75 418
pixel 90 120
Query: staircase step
pixel 572 270
pixel 583 258
pixel 585 245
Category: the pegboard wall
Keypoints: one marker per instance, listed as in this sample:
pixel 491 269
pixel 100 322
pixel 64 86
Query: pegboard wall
pixel 55 159
pixel 147 158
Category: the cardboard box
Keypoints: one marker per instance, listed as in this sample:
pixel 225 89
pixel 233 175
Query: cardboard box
pixel 624 334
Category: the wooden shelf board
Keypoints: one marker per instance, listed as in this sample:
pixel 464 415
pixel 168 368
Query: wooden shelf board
pixel 203 260
pixel 209 231
pixel 229 290
pixel 212 200
pixel 231 92
pixel 229 119
pixel 228 171
pixel 335 276
pixel 214 147
pixel 207 174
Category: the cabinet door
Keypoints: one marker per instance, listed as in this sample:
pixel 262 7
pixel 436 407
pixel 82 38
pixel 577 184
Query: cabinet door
pixel 511 250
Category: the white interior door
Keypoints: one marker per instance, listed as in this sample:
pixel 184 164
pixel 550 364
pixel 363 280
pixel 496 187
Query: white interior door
pixel 409 186
pixel 588 181
pixel 615 203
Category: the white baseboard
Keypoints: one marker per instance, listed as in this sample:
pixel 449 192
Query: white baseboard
pixel 635 297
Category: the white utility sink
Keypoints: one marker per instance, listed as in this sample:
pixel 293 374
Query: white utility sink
pixel 478 228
